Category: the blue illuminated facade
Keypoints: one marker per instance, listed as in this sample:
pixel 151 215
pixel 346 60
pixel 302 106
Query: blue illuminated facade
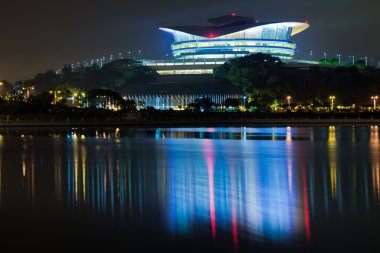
pixel 235 36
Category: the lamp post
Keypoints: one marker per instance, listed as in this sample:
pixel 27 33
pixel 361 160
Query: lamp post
pixel 74 96
pixel 244 101
pixel 289 98
pixel 374 98
pixel 366 61
pixel 353 60
pixel 325 57
pixel 332 98
pixel 1 85
pixel 338 55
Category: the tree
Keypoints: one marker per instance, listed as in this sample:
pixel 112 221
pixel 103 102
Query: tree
pixel 46 81
pixel 332 61
pixel 203 104
pixel 41 103
pixel 129 105
pixel 119 73
pixel 113 75
pixel 231 102
pixel 107 99
pixel 259 75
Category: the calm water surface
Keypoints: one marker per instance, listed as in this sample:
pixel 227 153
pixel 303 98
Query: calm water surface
pixel 190 189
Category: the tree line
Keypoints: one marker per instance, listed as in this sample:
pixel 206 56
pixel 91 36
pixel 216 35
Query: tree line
pixel 265 79
pixel 114 75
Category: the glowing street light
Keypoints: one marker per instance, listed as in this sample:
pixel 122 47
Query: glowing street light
pixel 374 98
pixel 244 101
pixel 73 97
pixel 339 56
pixel 1 85
pixel 289 98
pixel 325 57
pixel 332 98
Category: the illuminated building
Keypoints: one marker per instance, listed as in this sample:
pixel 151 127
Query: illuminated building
pixel 234 36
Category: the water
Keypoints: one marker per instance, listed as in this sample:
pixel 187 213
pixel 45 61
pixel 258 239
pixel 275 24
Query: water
pixel 190 189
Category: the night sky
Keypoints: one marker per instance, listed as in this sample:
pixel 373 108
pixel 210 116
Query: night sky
pixel 45 34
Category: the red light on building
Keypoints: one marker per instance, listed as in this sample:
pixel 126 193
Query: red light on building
pixel 211 35
pixel 233 14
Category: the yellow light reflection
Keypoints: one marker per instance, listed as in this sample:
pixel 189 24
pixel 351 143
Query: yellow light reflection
pixel 83 149
pixel 333 181
pixel 374 147
pixel 23 166
pixel 33 177
pixel 76 158
pixel 288 133
pixel 289 158
pixel 331 143
pixel 376 181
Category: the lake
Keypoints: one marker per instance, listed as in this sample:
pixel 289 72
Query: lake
pixel 290 189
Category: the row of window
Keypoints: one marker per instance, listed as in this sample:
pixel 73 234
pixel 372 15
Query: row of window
pixel 185 72
pixel 284 53
pixel 179 63
pixel 232 43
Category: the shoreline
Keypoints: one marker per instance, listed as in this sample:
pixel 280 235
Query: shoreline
pixel 254 122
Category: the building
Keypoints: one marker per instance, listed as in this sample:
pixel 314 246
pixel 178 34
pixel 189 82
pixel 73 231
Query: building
pixel 198 50
pixel 234 36
pixel 178 91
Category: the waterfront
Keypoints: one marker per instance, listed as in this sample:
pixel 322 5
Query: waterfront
pixel 293 189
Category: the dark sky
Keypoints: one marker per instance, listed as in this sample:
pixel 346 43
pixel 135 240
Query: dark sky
pixel 45 34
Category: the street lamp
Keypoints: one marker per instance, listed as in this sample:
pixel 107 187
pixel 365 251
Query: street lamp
pixel 338 55
pixel 244 100
pixel 332 98
pixel 366 61
pixel 374 98
pixel 74 96
pixel 289 98
pixel 353 60
pixel 325 57
pixel 1 85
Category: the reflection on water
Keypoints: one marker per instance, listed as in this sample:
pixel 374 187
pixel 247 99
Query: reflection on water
pixel 287 186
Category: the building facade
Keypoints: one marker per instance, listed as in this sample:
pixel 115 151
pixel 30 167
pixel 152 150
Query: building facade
pixel 234 36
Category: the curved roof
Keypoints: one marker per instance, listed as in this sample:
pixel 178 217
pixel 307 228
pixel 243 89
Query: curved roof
pixel 231 24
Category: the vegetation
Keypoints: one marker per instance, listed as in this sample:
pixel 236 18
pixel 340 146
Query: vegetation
pixel 269 86
pixel 201 105
pixel 103 98
pixel 114 75
pixel 266 79
pixel 335 63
